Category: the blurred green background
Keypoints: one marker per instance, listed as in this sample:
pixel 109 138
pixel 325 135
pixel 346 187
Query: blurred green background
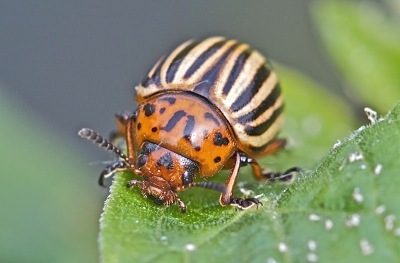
pixel 67 65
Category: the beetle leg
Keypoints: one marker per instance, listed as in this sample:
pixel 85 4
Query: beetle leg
pixel 130 142
pixel 262 176
pixel 227 198
pixel 286 176
pixel 273 146
pixel 120 119
pixel 110 170
pixel 182 205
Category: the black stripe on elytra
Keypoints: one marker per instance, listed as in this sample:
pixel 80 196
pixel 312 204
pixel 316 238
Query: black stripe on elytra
pixel 173 67
pixel 190 122
pixel 219 140
pixel 237 68
pixel 210 77
pixel 169 99
pixel 174 120
pixel 203 57
pixel 149 109
pixel 258 80
pixel 188 127
pixel 166 160
pixel 260 129
pixel 266 104
pixel 208 115
pixel 155 78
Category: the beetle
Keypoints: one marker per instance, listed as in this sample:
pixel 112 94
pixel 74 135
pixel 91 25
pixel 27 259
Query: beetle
pixel 211 104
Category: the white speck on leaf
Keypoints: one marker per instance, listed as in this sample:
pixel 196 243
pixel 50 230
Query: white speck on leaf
pixel 389 222
pixel 338 143
pixel 380 209
pixel 246 192
pixel 311 257
pixel 371 115
pixel 354 220
pixel 357 195
pixel 355 157
pixel 366 247
pixel 314 217
pixel 378 169
pixel 397 232
pixel 312 245
pixel 282 247
pixel 328 224
pixel 271 260
pixel 190 247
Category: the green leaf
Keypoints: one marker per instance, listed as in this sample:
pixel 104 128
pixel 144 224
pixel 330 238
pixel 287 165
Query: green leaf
pixel 364 42
pixel 344 211
pixel 356 187
pixel 134 229
pixel 49 204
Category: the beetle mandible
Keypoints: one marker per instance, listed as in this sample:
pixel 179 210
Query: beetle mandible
pixel 211 104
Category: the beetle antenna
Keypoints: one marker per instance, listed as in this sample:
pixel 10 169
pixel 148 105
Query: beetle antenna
pixel 208 185
pixel 93 136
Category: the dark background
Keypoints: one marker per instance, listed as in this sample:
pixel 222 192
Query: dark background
pixel 73 64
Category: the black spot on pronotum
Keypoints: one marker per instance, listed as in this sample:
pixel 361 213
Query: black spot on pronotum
pixel 139 125
pixel 208 115
pixel 197 148
pixel 142 159
pixel 154 129
pixel 162 110
pixel 166 160
pixel 217 159
pixel 149 109
pixel 219 140
pixel 169 99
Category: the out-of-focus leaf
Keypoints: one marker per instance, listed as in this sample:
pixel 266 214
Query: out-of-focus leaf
pixel 48 209
pixel 364 42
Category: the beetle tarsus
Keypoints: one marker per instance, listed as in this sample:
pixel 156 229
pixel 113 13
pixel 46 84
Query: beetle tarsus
pixel 182 206
pixel 243 204
pixel 286 176
pixel 110 170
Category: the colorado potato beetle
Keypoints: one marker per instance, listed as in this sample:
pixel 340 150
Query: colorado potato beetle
pixel 211 104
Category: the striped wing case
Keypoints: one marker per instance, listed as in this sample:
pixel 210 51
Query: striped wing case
pixel 236 79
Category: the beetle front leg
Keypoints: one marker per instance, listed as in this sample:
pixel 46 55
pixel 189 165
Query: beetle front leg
pixel 227 198
pixel 110 170
pixel 260 175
